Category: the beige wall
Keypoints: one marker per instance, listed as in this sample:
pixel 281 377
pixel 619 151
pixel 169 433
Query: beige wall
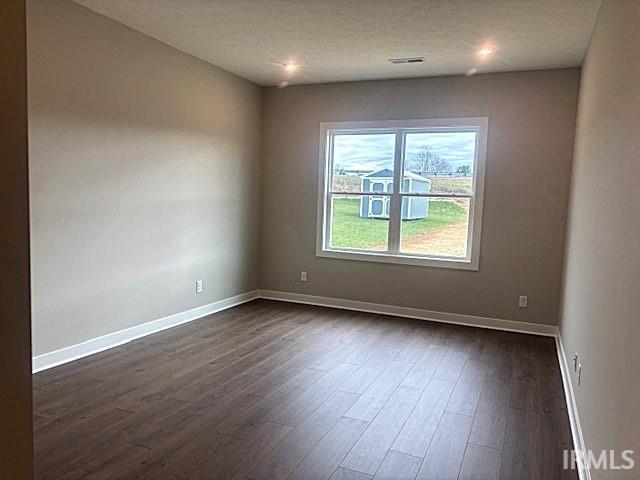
pixel 144 177
pixel 531 130
pixel 599 317
pixel 16 450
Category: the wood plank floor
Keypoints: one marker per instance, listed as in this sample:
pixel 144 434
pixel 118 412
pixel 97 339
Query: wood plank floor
pixel 271 390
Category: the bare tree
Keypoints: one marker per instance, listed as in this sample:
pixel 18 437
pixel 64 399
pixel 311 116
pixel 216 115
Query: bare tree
pixel 443 166
pixel 464 169
pixel 428 162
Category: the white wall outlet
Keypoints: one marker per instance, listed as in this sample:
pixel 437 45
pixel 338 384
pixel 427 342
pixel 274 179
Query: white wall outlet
pixel 303 276
pixel 198 286
pixel 523 300
pixel 579 373
pixel 575 362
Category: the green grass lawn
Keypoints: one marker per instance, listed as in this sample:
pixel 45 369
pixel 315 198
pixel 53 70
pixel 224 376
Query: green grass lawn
pixel 351 231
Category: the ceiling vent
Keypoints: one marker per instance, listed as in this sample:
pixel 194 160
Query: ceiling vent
pixel 398 61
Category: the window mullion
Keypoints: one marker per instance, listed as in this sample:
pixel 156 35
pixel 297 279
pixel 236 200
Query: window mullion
pixel 395 215
pixel 328 197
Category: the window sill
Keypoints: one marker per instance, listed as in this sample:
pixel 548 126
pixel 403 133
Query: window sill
pixel 433 262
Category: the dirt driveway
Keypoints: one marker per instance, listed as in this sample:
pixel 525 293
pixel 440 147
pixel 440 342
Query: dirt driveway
pixel 447 240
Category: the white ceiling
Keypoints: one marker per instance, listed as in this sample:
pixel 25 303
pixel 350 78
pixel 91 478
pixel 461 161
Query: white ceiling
pixel 339 40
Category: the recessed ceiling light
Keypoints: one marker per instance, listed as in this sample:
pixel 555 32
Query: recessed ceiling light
pixel 290 67
pixel 471 72
pixel 485 51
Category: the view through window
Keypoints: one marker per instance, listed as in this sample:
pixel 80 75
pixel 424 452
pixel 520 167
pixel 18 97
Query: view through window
pixel 403 192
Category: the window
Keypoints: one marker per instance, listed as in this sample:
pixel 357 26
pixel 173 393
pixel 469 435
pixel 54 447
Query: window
pixel 402 191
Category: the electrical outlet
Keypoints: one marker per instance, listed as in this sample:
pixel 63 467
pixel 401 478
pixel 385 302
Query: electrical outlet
pixel 198 286
pixel 579 373
pixel 575 362
pixel 303 276
pixel 523 300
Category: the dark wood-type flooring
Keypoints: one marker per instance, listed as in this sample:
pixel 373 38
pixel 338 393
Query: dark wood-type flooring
pixel 271 390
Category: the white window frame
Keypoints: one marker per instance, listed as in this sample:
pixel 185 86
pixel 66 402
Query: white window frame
pixel 471 261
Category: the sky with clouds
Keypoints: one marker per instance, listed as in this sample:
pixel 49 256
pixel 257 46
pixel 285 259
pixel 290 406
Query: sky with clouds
pixel 375 151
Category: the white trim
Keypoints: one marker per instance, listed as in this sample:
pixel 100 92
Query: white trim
pixel 400 128
pixel 405 194
pixel 407 312
pixel 401 259
pixel 395 207
pixel 98 344
pixel 574 419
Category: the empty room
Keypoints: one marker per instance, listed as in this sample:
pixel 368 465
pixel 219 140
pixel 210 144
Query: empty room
pixel 320 239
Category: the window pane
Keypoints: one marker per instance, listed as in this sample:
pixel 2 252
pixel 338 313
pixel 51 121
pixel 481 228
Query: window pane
pixel 435 226
pixel 360 222
pixel 363 162
pixel 439 162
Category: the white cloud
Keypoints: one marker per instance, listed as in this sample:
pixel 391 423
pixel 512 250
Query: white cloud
pixel 375 151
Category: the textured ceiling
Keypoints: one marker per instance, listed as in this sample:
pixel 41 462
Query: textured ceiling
pixel 338 40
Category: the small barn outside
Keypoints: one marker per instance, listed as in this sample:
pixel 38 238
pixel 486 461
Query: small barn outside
pixel 377 206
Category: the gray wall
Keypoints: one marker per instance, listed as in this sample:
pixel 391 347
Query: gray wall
pixel 531 131
pixel 16 449
pixel 599 316
pixel 144 177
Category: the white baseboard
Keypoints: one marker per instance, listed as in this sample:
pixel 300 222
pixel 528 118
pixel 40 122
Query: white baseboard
pixel 99 344
pixel 95 345
pixel 406 312
pixel 574 419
